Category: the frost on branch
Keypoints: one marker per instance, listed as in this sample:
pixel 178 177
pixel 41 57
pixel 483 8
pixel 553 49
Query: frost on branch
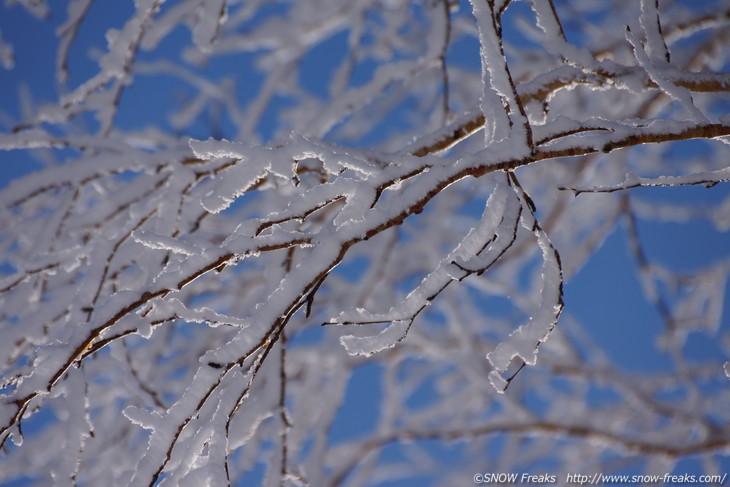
pixel 484 244
pixel 523 342
pixel 238 226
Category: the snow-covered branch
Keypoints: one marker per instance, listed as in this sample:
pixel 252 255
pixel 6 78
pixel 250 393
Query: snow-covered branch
pixel 246 206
